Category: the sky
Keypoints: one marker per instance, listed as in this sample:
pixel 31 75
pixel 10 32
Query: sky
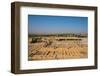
pixel 46 24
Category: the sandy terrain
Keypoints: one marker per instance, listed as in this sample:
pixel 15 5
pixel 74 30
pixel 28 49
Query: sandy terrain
pixel 64 49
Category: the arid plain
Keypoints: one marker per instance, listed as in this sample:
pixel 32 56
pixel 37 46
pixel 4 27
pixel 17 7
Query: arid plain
pixel 57 47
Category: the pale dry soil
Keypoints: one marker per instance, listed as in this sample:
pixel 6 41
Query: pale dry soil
pixel 58 50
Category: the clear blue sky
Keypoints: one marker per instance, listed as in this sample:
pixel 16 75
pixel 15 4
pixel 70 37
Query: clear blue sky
pixel 44 24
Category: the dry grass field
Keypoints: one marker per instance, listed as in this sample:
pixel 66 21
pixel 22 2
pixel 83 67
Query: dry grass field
pixel 49 48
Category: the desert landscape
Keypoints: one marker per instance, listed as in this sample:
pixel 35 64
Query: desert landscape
pixel 57 46
pixel 53 37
